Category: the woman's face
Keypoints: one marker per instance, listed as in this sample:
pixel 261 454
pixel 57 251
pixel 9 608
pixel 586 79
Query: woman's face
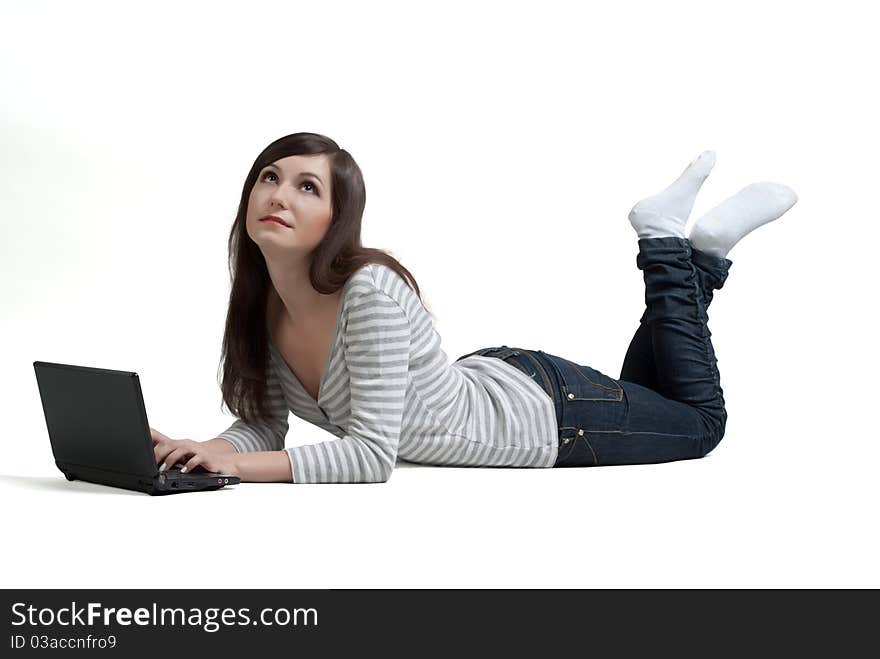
pixel 295 189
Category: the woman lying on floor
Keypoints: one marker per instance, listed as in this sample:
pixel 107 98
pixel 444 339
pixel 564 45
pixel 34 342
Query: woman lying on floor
pixel 336 333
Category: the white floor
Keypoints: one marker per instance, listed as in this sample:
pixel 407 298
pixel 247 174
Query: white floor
pixel 727 520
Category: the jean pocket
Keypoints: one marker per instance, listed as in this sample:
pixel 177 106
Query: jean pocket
pixel 579 382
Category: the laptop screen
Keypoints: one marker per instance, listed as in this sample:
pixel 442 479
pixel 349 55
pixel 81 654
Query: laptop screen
pixel 96 418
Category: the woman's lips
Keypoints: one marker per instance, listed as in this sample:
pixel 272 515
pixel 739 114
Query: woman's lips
pixel 274 221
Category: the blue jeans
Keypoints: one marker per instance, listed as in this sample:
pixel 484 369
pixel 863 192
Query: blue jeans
pixel 667 404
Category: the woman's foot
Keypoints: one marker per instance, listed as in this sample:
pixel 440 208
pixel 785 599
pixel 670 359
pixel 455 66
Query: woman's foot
pixel 725 225
pixel 667 212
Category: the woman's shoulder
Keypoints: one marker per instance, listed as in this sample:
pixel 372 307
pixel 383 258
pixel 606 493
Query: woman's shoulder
pixel 378 277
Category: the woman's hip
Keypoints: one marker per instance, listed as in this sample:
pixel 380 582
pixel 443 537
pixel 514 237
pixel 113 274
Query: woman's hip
pixel 605 421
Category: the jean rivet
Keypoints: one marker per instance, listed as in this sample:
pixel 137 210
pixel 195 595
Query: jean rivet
pixel 566 440
pixel 570 396
pixel 580 432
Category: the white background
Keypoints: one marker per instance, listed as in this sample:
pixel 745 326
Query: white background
pixel 503 145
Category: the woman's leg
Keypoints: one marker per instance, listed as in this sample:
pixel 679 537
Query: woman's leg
pixel 603 421
pixel 676 315
pixel 639 365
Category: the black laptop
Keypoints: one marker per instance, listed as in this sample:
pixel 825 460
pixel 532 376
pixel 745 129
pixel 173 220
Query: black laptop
pixel 99 431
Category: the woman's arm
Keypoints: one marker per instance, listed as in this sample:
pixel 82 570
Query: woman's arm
pixel 256 466
pixel 263 467
pixel 220 456
pixel 221 444
pixel 265 435
pixel 376 349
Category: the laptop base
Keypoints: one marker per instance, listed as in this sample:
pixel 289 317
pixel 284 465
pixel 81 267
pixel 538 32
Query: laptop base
pixel 157 485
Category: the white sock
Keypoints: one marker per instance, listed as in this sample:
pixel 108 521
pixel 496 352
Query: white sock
pixel 756 204
pixel 666 213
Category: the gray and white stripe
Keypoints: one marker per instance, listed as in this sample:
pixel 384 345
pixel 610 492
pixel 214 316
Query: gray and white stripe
pixel 390 392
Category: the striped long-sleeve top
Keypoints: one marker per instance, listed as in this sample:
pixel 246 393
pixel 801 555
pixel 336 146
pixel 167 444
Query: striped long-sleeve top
pixel 388 391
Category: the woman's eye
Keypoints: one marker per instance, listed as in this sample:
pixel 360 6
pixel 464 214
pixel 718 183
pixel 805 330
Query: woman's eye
pixel 314 189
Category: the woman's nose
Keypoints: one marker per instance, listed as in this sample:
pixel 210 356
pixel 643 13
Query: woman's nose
pixel 277 198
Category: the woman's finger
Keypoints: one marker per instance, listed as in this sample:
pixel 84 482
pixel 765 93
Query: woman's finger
pixel 162 450
pixel 158 436
pixel 173 458
pixel 192 463
pixel 176 456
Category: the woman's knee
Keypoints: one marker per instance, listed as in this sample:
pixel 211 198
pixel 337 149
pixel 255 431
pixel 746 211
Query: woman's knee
pixel 714 436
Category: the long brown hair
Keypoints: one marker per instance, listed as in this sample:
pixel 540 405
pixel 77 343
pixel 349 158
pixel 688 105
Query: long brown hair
pixel 245 352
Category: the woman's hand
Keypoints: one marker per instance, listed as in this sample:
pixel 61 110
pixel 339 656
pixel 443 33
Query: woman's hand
pixel 192 454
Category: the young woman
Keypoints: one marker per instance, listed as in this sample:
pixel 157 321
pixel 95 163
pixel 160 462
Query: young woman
pixel 333 331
